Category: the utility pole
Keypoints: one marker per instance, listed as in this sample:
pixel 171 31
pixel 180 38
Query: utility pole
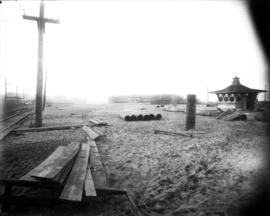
pixel 41 20
pixel 207 99
pixel 44 96
pixel 5 89
pixel 17 96
pixel 265 93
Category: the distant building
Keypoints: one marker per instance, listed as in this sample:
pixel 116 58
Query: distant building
pixel 153 99
pixel 130 99
pixel 237 96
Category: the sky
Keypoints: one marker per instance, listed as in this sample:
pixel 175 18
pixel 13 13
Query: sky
pixel 103 48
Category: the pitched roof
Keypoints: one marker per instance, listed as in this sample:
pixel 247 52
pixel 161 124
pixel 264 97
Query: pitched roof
pixel 236 87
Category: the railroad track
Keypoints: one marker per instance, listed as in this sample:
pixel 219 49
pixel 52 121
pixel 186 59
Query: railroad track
pixel 11 121
pixel 10 113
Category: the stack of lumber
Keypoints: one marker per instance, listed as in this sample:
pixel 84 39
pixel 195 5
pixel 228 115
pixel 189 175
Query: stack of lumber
pixel 143 116
pixel 72 173
pixel 97 122
pixel 232 115
pixel 93 134
pixel 66 170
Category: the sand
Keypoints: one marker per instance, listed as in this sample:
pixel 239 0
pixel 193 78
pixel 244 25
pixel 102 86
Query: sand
pixel 218 172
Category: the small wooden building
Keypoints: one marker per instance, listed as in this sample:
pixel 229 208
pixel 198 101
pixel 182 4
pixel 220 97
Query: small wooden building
pixel 237 96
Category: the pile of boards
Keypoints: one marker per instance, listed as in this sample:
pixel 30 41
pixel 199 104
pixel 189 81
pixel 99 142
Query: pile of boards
pixel 68 172
pixel 72 173
pixel 232 115
pixel 97 122
pixel 140 116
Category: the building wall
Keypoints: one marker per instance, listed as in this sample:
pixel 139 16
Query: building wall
pixel 243 101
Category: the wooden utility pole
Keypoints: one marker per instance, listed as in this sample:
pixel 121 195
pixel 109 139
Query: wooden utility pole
pixel 44 94
pixel 190 112
pixel 6 89
pixel 41 30
pixel 265 87
pixel 17 96
pixel 207 99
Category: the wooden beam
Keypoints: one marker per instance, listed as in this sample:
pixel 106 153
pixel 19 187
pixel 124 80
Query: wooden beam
pixel 48 20
pixel 40 129
pixel 96 166
pixel 89 186
pixel 30 17
pixel 74 186
pixel 97 122
pixel 190 112
pixel 92 134
pixel 173 133
pixel 28 182
pixel 54 166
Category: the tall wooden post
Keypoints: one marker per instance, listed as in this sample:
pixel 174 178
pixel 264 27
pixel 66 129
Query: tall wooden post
pixel 17 95
pixel 44 94
pixel 41 29
pixel 5 89
pixel 39 87
pixel 265 87
pixel 190 112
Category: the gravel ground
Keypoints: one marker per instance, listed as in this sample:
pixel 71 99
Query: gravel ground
pixel 215 173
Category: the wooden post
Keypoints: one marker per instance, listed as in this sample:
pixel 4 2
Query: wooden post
pixel 44 93
pixel 41 20
pixel 17 96
pixel 5 89
pixel 190 112
pixel 265 87
pixel 39 88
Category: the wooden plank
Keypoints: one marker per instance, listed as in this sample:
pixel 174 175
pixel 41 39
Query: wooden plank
pixel 51 168
pixel 28 183
pixel 65 171
pixel 89 186
pixel 101 123
pixel 236 116
pixel 231 115
pixel 93 121
pixel 74 186
pixel 55 154
pixel 95 160
pixel 102 191
pixel 99 178
pixel 96 166
pixel 40 129
pixel 98 131
pixel 226 113
pixel 92 134
pixel 97 122
pixel 173 133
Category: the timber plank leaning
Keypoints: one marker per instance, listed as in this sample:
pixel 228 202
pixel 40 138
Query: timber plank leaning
pixel 52 168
